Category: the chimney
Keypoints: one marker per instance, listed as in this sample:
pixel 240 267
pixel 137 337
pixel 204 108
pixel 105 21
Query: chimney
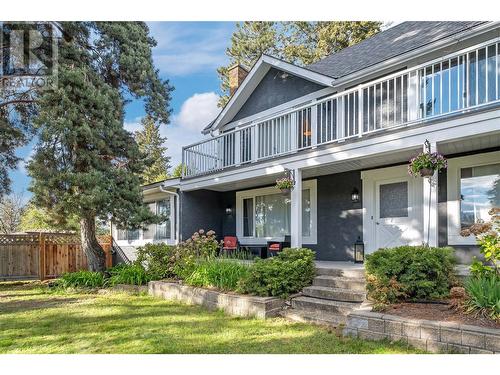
pixel 237 74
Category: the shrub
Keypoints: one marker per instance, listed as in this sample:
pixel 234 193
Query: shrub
pixel 483 295
pixel 157 259
pixel 285 274
pixel 199 246
pixel 217 273
pixel 81 279
pixel 132 274
pixel 409 272
pixel 488 238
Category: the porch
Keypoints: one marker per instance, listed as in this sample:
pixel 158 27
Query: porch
pixel 392 208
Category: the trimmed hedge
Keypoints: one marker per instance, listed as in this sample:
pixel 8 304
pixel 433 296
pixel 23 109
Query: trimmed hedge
pixel 282 275
pixel 410 273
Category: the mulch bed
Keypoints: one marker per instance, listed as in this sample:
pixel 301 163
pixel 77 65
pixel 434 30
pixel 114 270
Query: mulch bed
pixel 444 312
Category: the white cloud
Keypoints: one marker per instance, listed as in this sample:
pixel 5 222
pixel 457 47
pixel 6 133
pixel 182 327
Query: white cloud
pixel 185 48
pixel 195 113
pixel 134 125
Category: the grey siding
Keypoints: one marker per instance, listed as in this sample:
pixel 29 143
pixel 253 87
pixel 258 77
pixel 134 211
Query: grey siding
pixel 274 90
pixel 205 209
pixel 340 221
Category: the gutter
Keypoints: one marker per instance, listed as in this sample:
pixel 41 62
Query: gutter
pixel 177 211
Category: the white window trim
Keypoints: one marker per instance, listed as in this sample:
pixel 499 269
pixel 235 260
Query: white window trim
pixel 453 192
pixel 141 240
pixel 241 195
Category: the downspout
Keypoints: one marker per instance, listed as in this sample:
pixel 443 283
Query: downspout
pixel 177 211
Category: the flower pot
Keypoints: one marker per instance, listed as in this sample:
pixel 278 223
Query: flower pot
pixel 286 191
pixel 426 172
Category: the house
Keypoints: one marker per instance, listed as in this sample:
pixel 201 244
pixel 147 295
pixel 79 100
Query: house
pixel 345 128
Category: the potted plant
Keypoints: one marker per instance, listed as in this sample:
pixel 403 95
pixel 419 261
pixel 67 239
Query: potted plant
pixel 285 184
pixel 426 163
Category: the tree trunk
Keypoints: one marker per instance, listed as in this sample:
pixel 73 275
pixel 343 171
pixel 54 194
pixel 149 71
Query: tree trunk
pixel 96 258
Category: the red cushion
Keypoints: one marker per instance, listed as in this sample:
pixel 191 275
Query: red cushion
pixel 274 246
pixel 230 242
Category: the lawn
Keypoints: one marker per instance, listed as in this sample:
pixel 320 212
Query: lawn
pixel 36 320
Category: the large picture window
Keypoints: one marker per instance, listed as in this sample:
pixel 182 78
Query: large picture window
pixel 265 213
pixel 473 188
pixel 479 192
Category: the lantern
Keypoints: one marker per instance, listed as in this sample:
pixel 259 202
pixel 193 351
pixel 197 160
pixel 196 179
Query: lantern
pixel 359 251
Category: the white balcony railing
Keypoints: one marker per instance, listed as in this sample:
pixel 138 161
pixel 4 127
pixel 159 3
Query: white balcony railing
pixel 451 84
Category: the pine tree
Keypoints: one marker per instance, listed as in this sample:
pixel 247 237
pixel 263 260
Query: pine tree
pixel 151 145
pixel 86 164
pixel 299 42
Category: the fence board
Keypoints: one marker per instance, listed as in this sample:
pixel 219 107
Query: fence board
pixel 42 256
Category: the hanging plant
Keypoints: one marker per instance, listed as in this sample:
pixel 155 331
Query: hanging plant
pixel 285 184
pixel 426 164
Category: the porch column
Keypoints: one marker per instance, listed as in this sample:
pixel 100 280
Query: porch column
pixel 430 205
pixel 296 210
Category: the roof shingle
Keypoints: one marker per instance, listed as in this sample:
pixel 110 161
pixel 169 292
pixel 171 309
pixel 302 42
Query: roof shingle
pixel 392 42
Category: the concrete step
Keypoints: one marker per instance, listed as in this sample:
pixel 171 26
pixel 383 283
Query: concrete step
pixel 335 294
pixel 357 285
pixel 353 273
pixel 316 317
pixel 316 304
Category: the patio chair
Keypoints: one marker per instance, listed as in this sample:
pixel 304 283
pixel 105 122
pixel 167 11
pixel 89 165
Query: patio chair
pixel 273 247
pixel 230 244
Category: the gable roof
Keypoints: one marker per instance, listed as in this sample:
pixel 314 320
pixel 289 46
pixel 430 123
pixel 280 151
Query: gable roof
pixel 397 40
pixel 253 78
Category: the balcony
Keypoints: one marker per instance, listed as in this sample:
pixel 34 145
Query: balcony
pixel 450 85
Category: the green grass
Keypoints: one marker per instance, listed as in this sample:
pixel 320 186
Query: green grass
pixel 36 320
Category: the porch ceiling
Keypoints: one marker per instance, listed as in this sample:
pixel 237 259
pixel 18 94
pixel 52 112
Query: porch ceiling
pixel 479 142
pixel 364 163
pixel 469 144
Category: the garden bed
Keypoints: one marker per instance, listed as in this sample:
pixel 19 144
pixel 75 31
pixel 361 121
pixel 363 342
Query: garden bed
pixel 231 303
pixel 444 312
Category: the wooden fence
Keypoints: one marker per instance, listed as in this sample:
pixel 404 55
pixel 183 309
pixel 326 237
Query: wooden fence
pixel 44 255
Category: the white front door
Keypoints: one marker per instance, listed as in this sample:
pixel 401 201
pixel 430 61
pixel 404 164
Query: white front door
pixel 392 208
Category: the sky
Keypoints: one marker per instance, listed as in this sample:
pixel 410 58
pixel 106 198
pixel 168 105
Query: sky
pixel 188 54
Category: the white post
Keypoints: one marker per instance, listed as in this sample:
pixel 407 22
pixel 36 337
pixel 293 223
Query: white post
pixel 296 210
pixel 314 124
pixel 430 206
pixel 237 148
pixel 412 97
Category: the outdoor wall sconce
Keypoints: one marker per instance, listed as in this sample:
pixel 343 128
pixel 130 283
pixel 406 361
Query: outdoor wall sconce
pixel 229 210
pixel 359 251
pixel 355 195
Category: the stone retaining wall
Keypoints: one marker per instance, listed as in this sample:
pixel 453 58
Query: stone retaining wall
pixel 433 336
pixel 233 304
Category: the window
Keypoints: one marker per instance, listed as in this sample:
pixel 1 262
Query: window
pixel 479 192
pixel 132 234
pixel 272 215
pixel 473 184
pixel 394 200
pixel 248 217
pixel 163 229
pixel 266 213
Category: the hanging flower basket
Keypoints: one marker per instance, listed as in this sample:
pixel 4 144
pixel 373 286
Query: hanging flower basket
pixel 285 184
pixel 426 164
